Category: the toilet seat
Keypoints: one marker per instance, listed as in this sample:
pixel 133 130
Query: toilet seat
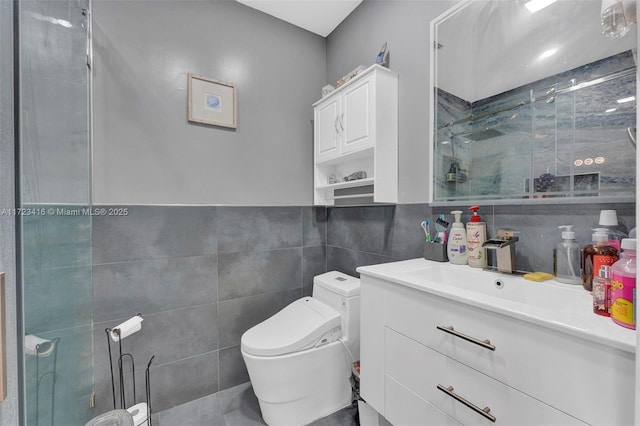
pixel 296 327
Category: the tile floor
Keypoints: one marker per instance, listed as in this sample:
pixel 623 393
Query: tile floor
pixel 236 406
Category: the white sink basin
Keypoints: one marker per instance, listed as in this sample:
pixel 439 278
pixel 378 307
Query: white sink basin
pixel 494 284
pixel 549 303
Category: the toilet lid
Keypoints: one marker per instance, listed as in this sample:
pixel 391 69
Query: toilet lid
pixel 294 328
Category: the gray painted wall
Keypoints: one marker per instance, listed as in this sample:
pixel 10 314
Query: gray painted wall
pixel 404 24
pixel 9 407
pixel 145 151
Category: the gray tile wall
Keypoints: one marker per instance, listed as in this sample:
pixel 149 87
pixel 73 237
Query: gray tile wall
pixel 204 275
pixel 359 236
pixel 200 276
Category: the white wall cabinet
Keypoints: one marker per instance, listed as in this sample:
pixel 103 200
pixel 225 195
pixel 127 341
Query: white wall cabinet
pixel 356 129
pixel 526 374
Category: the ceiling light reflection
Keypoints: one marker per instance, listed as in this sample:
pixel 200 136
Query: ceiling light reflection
pixel 50 19
pixel 547 53
pixel 624 100
pixel 536 5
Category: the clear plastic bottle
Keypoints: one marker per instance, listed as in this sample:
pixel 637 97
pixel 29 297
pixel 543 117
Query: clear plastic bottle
pixel 623 286
pixel 602 292
pixel 609 220
pixel 566 258
pixel 457 244
pixel 595 255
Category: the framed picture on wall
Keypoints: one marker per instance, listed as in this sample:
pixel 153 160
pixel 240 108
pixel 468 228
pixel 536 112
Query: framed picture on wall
pixel 211 102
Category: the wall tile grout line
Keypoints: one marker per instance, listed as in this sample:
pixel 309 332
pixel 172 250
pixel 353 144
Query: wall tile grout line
pixel 155 259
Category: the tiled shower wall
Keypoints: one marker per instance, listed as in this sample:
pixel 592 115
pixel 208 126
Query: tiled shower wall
pixel 573 125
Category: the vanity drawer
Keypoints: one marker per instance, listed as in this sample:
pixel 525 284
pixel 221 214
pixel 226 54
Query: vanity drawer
pixel 422 369
pixel 404 408
pixel 548 365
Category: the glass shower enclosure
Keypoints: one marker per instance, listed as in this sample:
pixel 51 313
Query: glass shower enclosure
pixel 54 192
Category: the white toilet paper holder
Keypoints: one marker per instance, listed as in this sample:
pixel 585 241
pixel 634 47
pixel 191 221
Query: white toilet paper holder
pixel 46 356
pixel 117 334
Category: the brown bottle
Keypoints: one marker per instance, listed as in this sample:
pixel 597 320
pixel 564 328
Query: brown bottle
pixel 596 255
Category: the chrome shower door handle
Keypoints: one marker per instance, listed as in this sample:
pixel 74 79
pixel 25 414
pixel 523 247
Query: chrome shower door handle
pixel 484 412
pixel 484 343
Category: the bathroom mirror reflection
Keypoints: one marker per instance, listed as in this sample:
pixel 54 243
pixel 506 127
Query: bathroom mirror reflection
pixel 532 104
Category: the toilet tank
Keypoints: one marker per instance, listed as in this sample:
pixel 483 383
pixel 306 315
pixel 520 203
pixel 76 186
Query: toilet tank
pixel 342 292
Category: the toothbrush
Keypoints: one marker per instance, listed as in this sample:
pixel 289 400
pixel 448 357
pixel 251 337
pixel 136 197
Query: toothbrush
pixel 427 233
pixel 441 229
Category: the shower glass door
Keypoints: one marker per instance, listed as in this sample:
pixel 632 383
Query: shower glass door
pixel 54 188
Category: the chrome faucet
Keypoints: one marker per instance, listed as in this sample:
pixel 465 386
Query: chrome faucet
pixel 505 246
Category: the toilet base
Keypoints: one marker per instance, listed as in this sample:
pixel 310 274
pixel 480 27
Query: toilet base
pixel 299 388
pixel 277 415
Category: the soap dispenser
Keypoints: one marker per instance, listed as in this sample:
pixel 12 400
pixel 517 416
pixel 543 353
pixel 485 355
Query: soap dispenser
pixel 457 244
pixel 476 236
pixel 566 257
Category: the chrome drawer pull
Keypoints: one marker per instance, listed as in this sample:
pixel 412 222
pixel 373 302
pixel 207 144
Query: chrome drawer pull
pixel 484 412
pixel 484 343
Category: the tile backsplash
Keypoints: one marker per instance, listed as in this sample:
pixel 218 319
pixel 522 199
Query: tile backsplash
pixel 366 235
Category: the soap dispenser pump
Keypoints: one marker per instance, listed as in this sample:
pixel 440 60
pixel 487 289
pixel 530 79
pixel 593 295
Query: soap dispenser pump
pixel 457 244
pixel 567 257
pixel 476 236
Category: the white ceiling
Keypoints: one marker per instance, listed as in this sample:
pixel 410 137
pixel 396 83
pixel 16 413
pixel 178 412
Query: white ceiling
pixel 318 16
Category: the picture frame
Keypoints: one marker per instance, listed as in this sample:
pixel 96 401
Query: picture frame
pixel 211 102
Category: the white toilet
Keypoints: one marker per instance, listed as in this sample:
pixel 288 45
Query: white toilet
pixel 299 361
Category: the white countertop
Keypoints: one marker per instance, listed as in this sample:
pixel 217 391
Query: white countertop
pixel 562 307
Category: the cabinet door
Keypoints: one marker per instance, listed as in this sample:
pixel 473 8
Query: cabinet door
pixel 327 130
pixel 405 408
pixel 356 120
pixel 555 373
pixel 421 369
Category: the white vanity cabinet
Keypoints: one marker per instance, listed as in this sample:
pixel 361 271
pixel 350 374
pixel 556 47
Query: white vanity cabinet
pixel 429 359
pixel 356 129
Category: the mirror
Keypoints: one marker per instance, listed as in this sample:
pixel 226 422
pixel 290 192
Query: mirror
pixel 531 105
